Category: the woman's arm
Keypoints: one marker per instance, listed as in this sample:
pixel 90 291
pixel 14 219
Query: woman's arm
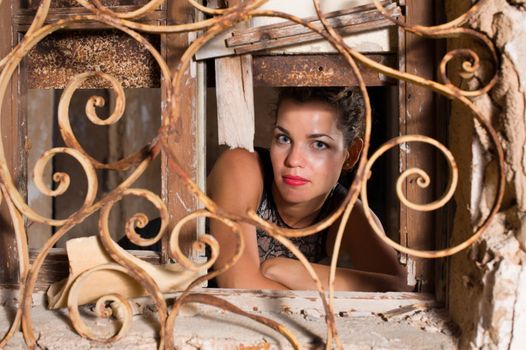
pixel 291 273
pixel 235 184
pixel 246 273
pixel 366 251
pixel 375 267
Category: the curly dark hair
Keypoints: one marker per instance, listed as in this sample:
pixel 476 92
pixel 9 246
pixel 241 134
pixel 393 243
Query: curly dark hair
pixel 348 103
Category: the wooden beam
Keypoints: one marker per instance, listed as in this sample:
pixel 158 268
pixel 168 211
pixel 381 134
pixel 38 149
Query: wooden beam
pixel 13 129
pixel 341 18
pixel 24 17
pixel 56 266
pixel 309 37
pixel 351 21
pixel 179 199
pixel 235 101
pixel 417 116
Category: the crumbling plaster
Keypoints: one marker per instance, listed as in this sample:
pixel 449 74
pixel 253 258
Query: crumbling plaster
pixel 487 289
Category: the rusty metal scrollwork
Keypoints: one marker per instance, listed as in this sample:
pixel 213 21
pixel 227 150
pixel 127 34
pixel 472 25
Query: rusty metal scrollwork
pixel 221 20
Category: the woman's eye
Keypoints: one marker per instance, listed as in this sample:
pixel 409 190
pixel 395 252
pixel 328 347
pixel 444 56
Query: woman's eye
pixel 319 145
pixel 282 139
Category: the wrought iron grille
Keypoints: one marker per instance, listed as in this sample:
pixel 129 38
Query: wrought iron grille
pixel 221 20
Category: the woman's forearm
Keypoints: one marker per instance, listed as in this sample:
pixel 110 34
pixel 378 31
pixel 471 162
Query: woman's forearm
pixel 292 273
pixel 249 281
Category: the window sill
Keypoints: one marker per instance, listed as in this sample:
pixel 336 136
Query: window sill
pixel 372 320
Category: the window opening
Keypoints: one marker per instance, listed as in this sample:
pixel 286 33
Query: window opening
pixel 385 124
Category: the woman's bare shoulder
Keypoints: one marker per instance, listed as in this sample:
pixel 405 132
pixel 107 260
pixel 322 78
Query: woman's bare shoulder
pixel 236 178
pixel 237 163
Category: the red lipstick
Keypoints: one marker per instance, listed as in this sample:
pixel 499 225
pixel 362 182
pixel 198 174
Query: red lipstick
pixel 292 180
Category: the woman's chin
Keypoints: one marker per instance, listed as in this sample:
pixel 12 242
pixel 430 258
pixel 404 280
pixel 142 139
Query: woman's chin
pixel 294 195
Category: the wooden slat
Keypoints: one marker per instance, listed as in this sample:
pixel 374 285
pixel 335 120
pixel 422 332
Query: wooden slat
pixel 418 228
pixel 56 266
pixel 315 70
pixel 311 36
pixel 235 101
pixel 179 199
pixel 346 304
pixel 12 128
pixel 444 218
pixel 24 17
pixel 288 37
pixel 401 237
pixel 338 19
pixel 350 21
pixel 74 4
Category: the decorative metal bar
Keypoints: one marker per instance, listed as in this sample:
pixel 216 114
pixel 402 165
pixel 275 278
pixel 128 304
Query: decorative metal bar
pixel 223 19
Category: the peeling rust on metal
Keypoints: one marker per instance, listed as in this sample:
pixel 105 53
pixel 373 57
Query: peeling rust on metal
pixel 315 70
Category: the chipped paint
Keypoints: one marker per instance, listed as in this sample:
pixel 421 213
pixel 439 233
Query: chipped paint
pixel 411 271
pixel 404 147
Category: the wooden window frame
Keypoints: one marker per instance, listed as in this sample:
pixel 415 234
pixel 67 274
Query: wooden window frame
pixel 420 105
pixel 413 230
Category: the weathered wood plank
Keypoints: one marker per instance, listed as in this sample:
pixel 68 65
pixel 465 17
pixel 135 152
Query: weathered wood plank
pixel 12 140
pixel 74 4
pixel 24 17
pixel 353 20
pixel 306 9
pixel 311 36
pixel 56 266
pixel 179 199
pixel 373 37
pixel 418 228
pixel 235 101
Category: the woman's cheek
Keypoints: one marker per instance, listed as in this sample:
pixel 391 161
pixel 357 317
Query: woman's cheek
pixel 321 159
pixel 278 152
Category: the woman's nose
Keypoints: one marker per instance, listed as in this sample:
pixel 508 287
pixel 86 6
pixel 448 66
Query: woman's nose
pixel 295 157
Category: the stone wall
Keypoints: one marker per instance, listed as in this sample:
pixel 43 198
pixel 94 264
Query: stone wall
pixel 487 283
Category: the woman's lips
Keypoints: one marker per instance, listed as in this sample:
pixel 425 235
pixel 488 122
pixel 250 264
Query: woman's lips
pixel 294 180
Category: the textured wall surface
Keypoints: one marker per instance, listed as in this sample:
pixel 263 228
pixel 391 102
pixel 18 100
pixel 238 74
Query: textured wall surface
pixel 487 290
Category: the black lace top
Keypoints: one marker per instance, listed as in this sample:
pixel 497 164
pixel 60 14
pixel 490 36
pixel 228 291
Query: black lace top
pixel 313 246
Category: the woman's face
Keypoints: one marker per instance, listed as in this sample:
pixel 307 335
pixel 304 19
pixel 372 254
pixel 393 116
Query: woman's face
pixel 307 151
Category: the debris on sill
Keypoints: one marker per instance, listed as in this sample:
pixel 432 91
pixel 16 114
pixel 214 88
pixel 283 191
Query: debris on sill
pixel 364 320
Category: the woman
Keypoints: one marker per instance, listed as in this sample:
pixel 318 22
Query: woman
pixel 316 136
